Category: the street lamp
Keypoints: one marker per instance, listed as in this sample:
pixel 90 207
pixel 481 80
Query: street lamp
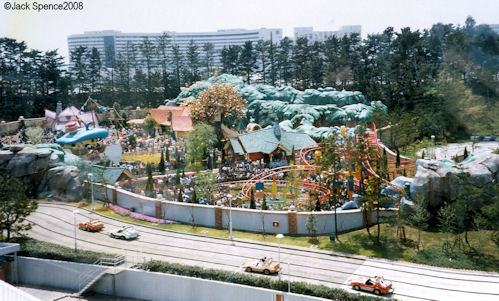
pixel 91 189
pixel 74 223
pixel 279 236
pixel 230 216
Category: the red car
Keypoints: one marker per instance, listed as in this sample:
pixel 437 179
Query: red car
pixel 377 285
pixel 92 226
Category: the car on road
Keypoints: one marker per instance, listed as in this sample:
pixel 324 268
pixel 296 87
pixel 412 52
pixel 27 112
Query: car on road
pixel 127 233
pixel 264 265
pixel 377 285
pixel 92 225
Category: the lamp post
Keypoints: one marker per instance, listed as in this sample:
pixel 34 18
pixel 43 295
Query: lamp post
pixel 230 216
pixel 279 236
pixel 91 189
pixel 74 223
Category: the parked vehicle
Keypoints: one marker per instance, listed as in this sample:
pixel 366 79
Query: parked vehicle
pixel 92 225
pixel 377 285
pixel 124 233
pixel 264 265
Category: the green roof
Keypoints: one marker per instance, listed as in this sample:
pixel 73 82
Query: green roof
pixel 108 175
pixel 236 146
pixel 266 142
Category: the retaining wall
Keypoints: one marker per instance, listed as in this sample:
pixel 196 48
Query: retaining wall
pixel 143 285
pixel 242 219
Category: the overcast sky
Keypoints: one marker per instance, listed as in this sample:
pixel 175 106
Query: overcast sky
pixel 48 30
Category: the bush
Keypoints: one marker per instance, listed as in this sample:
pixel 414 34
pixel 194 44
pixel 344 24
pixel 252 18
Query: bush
pixel 302 288
pixel 456 259
pixel 40 249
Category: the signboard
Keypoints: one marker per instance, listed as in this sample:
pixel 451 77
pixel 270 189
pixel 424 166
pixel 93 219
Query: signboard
pixel 275 224
pixel 259 186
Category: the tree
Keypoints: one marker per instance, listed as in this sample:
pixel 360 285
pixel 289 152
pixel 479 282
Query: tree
pixel 209 51
pixel 161 166
pixel 465 155
pixel 284 64
pixel 247 60
pixel 94 69
pixel 198 141
pixel 178 64
pixel 149 125
pixel 150 183
pixel 194 198
pixel 220 101
pixel 148 49
pixel 301 61
pixel 192 57
pixel 205 186
pixel 15 206
pixel 311 225
pixel 163 42
pixel 79 69
pixel 447 223
pixel 331 167
pixel 252 199
pixel 264 204
pixel 262 48
pixel 420 216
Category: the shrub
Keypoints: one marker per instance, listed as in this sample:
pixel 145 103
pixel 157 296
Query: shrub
pixel 40 249
pixel 302 288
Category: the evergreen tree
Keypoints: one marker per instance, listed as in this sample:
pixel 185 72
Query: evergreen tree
pixel 284 62
pixel 150 183
pixel 247 60
pixel 264 204
pixel 193 62
pixel 252 199
pixel 262 48
pixel 209 52
pixel 161 166
pixel 465 155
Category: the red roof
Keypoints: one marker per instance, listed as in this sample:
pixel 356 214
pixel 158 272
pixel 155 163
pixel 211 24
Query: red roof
pixel 182 124
pixel 181 120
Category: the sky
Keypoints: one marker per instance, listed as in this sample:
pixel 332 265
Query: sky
pixel 48 30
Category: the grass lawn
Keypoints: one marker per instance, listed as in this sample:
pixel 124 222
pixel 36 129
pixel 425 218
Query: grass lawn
pixel 358 242
pixel 154 158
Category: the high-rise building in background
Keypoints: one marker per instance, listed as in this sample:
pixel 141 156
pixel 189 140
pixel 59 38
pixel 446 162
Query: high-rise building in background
pixel 321 36
pixel 111 42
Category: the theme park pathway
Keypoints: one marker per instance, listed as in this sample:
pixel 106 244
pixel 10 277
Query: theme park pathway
pixel 54 223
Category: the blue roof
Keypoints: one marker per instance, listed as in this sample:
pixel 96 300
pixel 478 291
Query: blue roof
pixel 265 141
pixel 82 134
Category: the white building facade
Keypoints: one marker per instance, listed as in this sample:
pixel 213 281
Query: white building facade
pixel 110 42
pixel 320 36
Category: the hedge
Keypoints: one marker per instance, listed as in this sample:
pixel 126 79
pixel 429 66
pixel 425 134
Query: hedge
pixel 302 288
pixel 40 249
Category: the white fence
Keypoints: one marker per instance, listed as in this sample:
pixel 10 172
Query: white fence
pixel 242 219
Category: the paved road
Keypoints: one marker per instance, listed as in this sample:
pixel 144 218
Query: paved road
pixel 54 223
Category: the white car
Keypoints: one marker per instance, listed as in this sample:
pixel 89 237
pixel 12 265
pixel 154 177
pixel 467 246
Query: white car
pixel 124 233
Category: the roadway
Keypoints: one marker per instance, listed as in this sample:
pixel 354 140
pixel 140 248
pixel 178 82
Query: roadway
pixel 54 223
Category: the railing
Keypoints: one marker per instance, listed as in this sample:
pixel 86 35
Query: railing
pixel 85 280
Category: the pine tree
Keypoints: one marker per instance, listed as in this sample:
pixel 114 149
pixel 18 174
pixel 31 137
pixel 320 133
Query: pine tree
pixel 176 180
pixel 179 195
pixel 422 155
pixel 252 199
pixel 150 183
pixel 161 166
pixel 465 155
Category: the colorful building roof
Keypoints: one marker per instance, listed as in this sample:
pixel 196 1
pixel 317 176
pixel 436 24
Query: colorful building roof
pixel 176 117
pixel 82 134
pixel 267 140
